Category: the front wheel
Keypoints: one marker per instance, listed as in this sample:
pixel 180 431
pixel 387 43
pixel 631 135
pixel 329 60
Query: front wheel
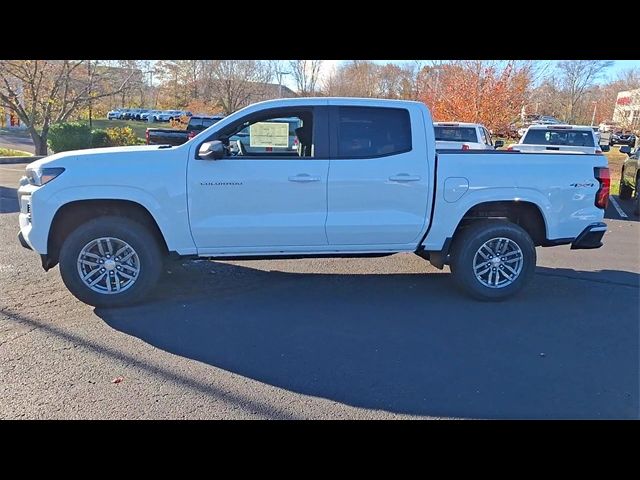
pixel 110 262
pixel 493 259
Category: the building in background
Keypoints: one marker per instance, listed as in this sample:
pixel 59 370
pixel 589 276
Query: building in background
pixel 627 110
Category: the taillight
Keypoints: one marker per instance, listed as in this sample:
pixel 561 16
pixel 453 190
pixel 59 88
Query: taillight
pixel 510 148
pixel 190 135
pixel 602 195
pixel 599 152
pixel 465 146
pixel 146 136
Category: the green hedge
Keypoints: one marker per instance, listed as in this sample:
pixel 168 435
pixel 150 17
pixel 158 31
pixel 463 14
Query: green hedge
pixel 69 136
pixel 77 136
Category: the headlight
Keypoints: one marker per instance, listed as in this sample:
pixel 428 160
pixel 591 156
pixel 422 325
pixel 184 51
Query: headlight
pixel 42 176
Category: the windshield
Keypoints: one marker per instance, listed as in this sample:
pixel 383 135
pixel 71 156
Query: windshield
pixel 456 134
pixel 572 138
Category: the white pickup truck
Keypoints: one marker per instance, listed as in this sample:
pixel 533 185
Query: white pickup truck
pixel 365 180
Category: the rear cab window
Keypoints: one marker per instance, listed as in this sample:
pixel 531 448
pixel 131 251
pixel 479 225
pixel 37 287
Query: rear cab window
pixel 574 138
pixel 446 133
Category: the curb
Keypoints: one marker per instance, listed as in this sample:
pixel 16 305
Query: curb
pixel 10 160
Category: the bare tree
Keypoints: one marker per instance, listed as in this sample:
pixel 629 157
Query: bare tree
pixel 576 77
pixel 43 92
pixel 306 74
pixel 235 82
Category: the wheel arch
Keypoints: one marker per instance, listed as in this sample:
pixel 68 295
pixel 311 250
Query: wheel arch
pixel 73 214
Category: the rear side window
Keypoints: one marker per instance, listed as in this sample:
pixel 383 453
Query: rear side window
pixel 456 134
pixel 572 138
pixel 373 132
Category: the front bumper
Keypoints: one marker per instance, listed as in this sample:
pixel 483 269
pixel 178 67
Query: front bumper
pixel 591 237
pixel 23 242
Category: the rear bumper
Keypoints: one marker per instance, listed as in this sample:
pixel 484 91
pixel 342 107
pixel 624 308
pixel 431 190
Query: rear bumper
pixel 591 237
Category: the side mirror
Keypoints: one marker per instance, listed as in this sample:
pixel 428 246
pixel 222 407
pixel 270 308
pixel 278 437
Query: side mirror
pixel 498 143
pixel 625 149
pixel 211 150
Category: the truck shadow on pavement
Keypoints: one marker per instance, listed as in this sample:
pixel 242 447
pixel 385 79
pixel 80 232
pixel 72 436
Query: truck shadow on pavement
pixel 406 343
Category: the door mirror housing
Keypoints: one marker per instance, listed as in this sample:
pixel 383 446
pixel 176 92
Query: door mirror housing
pixel 498 144
pixel 211 150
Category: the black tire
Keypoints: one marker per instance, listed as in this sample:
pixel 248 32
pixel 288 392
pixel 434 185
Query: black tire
pixel 625 190
pixel 469 240
pixel 136 235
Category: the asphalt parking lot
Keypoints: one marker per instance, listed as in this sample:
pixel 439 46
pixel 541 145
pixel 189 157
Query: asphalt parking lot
pixel 356 338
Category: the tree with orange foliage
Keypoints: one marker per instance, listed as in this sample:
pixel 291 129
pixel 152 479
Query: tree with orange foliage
pixel 491 93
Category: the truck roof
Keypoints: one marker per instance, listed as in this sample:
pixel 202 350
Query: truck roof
pixel 303 101
pixel 457 124
pixel 559 127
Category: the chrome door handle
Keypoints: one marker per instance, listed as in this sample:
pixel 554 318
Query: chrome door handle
pixel 304 178
pixel 404 177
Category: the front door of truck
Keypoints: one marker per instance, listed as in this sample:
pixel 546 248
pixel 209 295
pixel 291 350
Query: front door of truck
pixel 269 191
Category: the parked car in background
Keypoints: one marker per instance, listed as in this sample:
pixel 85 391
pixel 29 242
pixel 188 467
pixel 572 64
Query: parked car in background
pixel 153 115
pixel 630 176
pixel 114 115
pixel 463 136
pixel 172 136
pixel 620 138
pixel 607 126
pixel 168 115
pixel 142 115
pixel 559 138
pixel 538 120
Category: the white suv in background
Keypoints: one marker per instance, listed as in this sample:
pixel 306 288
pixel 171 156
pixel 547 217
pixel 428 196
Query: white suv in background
pixel 463 136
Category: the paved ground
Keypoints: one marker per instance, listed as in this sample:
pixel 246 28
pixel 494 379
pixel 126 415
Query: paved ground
pixel 16 141
pixel 358 338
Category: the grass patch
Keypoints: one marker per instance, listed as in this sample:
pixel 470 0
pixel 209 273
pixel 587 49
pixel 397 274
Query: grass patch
pixel 9 152
pixel 615 188
pixel 615 159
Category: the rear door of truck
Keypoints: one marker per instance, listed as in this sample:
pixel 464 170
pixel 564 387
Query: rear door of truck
pixel 378 184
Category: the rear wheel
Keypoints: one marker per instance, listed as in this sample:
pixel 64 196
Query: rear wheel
pixel 493 259
pixel 110 262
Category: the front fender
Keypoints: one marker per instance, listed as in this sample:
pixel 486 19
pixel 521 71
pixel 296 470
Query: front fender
pixel 170 213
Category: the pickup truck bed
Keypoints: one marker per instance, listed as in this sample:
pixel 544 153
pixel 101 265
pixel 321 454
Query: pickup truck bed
pixel 365 179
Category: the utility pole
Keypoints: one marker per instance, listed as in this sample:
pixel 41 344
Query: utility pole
pixel 280 74
pixel 593 117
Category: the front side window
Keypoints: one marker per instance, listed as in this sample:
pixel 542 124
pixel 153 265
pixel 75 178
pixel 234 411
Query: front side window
pixel 373 132
pixel 286 134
